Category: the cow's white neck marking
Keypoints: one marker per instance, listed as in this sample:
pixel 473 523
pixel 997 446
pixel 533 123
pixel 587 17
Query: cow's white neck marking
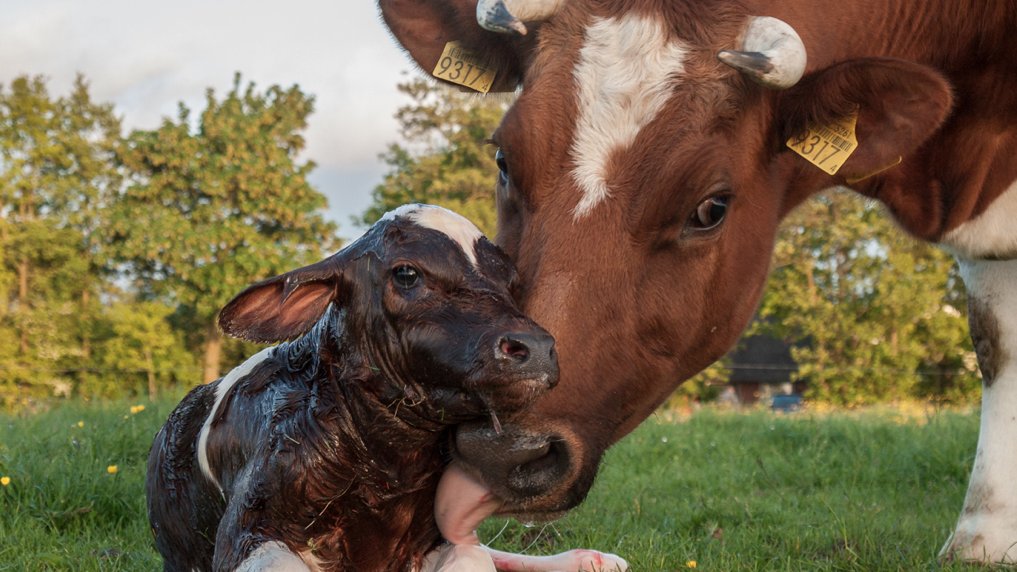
pixel 455 226
pixel 992 233
pixel 235 375
pixel 623 77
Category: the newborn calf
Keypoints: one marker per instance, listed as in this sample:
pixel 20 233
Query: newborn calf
pixel 325 452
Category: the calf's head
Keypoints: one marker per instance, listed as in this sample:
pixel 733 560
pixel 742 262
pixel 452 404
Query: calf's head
pixel 422 301
pixel 643 175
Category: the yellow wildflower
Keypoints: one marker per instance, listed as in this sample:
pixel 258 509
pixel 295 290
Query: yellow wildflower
pixel 112 469
pixel 81 423
pixel 690 564
pixel 135 409
pixel 5 480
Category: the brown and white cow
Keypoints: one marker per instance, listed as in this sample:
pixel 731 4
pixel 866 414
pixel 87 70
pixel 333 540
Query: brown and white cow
pixel 645 169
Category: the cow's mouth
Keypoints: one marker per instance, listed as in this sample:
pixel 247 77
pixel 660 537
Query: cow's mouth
pixel 510 472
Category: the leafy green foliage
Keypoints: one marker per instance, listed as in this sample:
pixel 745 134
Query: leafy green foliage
pixel 116 253
pixel 143 345
pixel 444 158
pixel 212 209
pixel 875 315
pixel 57 175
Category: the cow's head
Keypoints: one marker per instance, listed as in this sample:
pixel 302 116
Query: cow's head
pixel 423 300
pixel 643 176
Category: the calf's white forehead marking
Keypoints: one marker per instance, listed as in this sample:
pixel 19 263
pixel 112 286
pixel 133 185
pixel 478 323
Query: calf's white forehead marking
pixel 235 375
pixel 624 77
pixel 455 226
pixel 992 233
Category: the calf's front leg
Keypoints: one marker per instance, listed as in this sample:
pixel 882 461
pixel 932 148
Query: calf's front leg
pixel 240 549
pixel 987 528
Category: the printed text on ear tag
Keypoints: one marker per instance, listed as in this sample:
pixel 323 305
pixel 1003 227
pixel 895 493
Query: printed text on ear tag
pixel 828 146
pixel 464 67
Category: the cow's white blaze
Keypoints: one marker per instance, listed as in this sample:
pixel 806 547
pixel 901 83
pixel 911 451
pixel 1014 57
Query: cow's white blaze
pixel 235 375
pixel 987 526
pixel 453 225
pixel 624 78
pixel 992 233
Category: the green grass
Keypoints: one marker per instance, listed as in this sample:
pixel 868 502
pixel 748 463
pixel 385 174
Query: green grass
pixel 730 491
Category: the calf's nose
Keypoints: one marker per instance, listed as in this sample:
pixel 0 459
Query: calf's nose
pixel 528 353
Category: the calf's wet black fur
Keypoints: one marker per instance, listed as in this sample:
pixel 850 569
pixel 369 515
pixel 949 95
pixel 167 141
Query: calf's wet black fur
pixel 329 446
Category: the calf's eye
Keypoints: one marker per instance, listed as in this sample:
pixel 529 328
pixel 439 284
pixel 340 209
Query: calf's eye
pixel 405 276
pixel 709 213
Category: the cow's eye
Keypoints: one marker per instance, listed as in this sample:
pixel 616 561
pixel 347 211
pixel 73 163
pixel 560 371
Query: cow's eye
pixel 405 276
pixel 709 214
pixel 503 172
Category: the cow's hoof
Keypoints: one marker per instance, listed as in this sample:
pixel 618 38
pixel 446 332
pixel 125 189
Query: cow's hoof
pixel 988 545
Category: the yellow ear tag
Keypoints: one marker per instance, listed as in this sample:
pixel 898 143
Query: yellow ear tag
pixel 464 67
pixel 828 146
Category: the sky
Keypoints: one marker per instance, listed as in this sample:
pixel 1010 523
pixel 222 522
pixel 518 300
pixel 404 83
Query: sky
pixel 146 56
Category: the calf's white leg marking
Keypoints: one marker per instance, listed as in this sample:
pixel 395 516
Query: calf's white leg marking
pixel 623 79
pixel 457 558
pixel 571 561
pixel 479 558
pixel 992 233
pixel 987 528
pixel 235 375
pixel 273 557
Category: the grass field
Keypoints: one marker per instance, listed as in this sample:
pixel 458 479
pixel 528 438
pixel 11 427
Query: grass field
pixel 725 491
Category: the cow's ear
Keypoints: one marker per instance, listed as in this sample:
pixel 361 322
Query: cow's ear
pixel 283 307
pixel 425 27
pixel 898 105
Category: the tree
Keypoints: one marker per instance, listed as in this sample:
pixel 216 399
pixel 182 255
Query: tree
pixel 56 177
pixel 876 315
pixel 445 158
pixel 213 208
pixel 142 350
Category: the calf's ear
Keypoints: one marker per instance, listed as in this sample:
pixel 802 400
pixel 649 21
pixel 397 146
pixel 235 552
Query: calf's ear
pixel 899 105
pixel 283 307
pixel 424 27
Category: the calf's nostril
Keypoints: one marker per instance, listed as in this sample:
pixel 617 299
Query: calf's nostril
pixel 514 349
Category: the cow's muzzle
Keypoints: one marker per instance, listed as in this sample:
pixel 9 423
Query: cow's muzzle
pixel 534 474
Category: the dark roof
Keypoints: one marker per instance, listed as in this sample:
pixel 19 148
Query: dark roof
pixel 761 359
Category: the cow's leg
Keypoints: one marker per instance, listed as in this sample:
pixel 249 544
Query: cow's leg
pixel 987 528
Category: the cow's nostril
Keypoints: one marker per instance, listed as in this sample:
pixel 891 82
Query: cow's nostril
pixel 514 349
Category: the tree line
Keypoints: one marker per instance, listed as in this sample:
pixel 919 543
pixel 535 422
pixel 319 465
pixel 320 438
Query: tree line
pixel 119 248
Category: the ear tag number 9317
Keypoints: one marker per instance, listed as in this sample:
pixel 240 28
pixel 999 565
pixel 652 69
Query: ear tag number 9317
pixel 464 67
pixel 827 146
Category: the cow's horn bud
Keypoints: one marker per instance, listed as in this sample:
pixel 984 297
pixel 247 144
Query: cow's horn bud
pixel 507 16
pixel 772 53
